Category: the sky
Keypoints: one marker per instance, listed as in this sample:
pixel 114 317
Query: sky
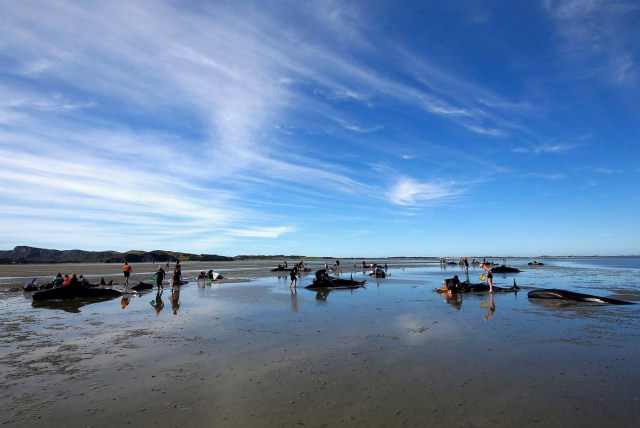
pixel 371 128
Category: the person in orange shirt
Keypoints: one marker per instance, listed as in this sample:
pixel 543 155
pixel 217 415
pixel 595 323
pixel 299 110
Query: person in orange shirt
pixel 127 271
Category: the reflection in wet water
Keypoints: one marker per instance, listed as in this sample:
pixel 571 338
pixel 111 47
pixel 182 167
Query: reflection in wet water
pixel 69 305
pixel 158 303
pixel 175 299
pixel 491 307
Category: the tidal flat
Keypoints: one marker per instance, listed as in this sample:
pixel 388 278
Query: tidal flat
pixel 246 352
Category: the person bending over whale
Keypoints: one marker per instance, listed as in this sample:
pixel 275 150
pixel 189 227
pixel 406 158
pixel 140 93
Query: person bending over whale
pixel 452 285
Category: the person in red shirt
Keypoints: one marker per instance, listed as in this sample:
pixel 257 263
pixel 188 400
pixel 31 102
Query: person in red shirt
pixel 127 271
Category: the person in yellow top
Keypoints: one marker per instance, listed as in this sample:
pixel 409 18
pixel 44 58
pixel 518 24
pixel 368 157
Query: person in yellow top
pixel 127 271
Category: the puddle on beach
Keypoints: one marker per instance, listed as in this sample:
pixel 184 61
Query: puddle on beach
pixel 392 354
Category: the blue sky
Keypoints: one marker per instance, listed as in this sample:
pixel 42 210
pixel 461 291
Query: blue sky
pixel 321 128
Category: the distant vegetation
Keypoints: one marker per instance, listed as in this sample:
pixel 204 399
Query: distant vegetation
pixel 24 254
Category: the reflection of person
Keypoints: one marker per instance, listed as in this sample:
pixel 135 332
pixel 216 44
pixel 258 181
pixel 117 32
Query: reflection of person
pixel 489 276
pixel 293 274
pixel 491 309
pixel 322 295
pixel 124 302
pixel 158 304
pixel 160 277
pixel 294 302
pixel 454 299
pixel 126 269
pixel 175 300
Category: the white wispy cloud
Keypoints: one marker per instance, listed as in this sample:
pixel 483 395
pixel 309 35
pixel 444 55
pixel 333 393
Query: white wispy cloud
pixel 409 192
pixel 545 148
pixel 262 232
pixel 546 176
pixel 599 31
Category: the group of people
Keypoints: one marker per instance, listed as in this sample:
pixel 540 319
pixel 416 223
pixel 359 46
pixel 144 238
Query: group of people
pixel 208 276
pixel 160 275
pixel 65 281
pixel 453 285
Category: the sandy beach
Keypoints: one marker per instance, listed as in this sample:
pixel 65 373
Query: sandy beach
pixel 246 352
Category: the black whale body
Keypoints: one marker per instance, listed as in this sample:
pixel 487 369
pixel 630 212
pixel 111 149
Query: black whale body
pixel 483 286
pixel 73 291
pixel 142 286
pixel 466 287
pixel 333 282
pixel 504 269
pixel 553 293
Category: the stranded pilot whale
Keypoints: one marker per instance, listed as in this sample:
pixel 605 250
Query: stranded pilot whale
pixel 552 293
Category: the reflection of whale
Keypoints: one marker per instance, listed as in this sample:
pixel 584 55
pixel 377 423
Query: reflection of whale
pixel 69 305
pixel 323 292
pixel 552 293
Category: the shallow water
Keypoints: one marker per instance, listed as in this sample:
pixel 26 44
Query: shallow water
pixel 392 354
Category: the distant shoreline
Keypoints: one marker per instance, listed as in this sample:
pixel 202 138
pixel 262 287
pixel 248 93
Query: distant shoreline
pixel 216 259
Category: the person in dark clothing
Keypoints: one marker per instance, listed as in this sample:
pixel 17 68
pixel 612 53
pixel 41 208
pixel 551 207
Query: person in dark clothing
pixel 160 274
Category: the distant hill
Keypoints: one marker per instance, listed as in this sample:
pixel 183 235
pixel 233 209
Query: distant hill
pixel 24 254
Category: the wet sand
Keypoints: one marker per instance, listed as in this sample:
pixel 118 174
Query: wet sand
pixel 249 353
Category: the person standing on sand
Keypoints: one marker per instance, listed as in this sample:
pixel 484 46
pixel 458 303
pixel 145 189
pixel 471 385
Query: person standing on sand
pixel 489 276
pixel 160 274
pixel 177 276
pixel 126 269
pixel 293 274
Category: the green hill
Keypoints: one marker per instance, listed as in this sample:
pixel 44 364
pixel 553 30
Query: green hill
pixel 25 254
